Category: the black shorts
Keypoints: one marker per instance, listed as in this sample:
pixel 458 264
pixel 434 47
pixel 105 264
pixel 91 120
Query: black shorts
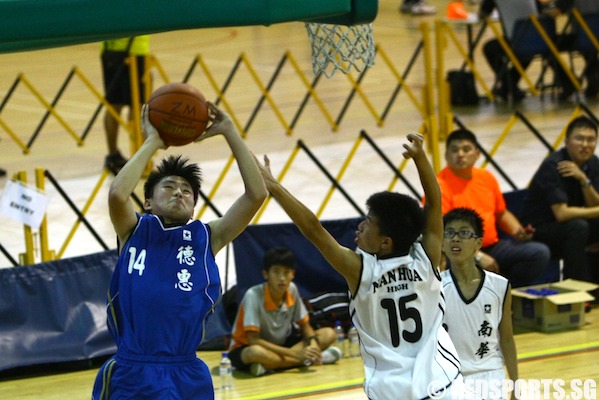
pixel 235 354
pixel 117 85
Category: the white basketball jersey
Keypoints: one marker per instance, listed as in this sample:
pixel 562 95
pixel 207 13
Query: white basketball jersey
pixel 398 311
pixel 473 325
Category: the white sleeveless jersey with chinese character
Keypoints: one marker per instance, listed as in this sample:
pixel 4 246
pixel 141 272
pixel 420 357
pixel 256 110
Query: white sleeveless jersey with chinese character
pixel 473 325
pixel 398 311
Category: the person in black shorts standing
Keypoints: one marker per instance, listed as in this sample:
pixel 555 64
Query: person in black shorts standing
pixel 117 88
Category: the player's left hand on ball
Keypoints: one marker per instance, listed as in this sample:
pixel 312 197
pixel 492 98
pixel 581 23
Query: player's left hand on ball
pixel 220 123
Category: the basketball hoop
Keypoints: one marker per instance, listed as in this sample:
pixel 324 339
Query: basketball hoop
pixel 339 47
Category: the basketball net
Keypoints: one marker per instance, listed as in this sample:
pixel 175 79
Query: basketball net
pixel 339 47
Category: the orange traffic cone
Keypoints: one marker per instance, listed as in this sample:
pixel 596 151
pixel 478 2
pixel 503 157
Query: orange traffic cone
pixel 456 10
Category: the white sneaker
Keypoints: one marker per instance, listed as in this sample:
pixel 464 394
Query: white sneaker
pixel 418 8
pixel 331 355
pixel 257 369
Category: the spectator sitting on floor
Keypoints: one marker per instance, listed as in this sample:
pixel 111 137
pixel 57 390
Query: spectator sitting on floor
pixel 264 337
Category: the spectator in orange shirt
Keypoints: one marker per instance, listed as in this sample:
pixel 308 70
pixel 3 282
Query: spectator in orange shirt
pixel 464 185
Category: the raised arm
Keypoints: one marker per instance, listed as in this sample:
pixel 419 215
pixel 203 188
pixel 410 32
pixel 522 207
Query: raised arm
pixel 122 213
pixel 239 215
pixel 342 259
pixel 432 237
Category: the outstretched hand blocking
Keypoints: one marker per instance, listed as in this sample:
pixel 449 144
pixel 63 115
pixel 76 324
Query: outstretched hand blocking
pixel 414 147
pixel 269 179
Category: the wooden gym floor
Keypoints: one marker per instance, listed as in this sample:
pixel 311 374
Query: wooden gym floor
pixel 569 356
pixel 565 355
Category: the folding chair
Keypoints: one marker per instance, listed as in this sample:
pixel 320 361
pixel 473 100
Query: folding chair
pixel 585 25
pixel 587 6
pixel 529 35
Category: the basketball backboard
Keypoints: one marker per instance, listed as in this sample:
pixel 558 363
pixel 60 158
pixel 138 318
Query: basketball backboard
pixel 35 24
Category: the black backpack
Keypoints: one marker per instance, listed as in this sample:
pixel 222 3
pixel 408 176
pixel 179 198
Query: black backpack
pixel 327 308
pixel 463 88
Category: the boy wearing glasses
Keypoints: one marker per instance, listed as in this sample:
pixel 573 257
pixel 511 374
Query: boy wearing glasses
pixel 464 185
pixel 478 313
pixel 396 300
pixel 563 203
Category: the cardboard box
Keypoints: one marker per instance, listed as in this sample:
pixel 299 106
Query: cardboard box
pixel 551 306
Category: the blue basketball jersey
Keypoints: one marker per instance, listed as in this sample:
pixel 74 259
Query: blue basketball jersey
pixel 164 287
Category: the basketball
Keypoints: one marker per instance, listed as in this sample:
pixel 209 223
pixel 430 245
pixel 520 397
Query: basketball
pixel 179 112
